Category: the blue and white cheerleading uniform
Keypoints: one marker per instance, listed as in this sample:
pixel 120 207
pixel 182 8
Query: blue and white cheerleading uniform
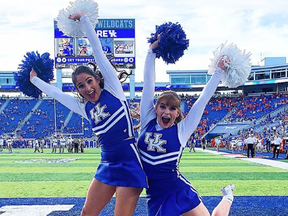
pixel 120 163
pixel 169 192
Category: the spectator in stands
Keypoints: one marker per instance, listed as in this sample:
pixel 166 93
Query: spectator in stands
pixel 164 135
pixel 213 143
pixel 104 105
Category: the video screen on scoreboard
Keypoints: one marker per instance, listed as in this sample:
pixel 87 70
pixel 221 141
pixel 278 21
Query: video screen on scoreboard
pixel 83 47
pixel 124 47
pixel 64 47
pixel 107 46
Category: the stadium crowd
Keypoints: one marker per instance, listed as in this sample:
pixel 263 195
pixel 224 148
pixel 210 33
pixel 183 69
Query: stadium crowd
pixel 26 125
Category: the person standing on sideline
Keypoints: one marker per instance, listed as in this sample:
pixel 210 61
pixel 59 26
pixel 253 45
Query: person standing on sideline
pixel 54 144
pixel 191 143
pixel 1 143
pixel 82 143
pixel 36 145
pixel 250 141
pixel 69 142
pixel 286 147
pixel 9 142
pixel 104 104
pixel 76 142
pixel 42 143
pixel 164 135
pixel 217 143
pixel 268 143
pixel 277 143
pixel 197 141
pixel 62 144
pixel 203 143
pixel 233 145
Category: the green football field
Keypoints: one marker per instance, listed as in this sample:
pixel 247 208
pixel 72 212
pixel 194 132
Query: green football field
pixel 25 174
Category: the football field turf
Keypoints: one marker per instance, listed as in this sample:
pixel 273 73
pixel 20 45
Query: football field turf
pixel 65 177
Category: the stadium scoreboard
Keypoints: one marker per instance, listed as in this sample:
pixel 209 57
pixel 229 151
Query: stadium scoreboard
pixel 117 37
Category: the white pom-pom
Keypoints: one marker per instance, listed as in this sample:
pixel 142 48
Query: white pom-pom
pixel 72 28
pixel 240 66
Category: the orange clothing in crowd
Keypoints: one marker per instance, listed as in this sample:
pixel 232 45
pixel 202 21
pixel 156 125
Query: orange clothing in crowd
pixel 213 143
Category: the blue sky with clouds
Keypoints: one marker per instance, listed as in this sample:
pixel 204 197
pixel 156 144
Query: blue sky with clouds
pixel 259 27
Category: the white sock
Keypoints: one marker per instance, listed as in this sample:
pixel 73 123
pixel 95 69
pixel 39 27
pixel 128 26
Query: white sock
pixel 229 198
pixel 228 193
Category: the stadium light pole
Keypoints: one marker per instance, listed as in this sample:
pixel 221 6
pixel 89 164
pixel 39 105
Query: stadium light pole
pixel 55 118
pixel 83 126
pixel 132 84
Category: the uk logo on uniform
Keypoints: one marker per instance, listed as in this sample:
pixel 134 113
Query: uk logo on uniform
pixel 156 143
pixel 98 114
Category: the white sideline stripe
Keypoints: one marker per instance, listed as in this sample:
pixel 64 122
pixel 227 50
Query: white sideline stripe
pixel 267 162
pixel 35 210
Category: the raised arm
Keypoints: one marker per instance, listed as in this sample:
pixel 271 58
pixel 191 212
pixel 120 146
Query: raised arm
pixel 67 100
pixel 188 125
pixel 147 100
pixel 111 81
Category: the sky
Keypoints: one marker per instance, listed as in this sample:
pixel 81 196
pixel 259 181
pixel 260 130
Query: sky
pixel 259 27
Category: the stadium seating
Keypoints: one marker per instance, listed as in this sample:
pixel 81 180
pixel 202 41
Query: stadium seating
pixel 30 118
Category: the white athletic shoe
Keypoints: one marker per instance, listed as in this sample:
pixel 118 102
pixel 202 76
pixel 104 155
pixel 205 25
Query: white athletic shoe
pixel 228 189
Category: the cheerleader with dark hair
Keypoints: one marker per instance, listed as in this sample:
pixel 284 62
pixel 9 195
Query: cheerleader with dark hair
pixel 105 106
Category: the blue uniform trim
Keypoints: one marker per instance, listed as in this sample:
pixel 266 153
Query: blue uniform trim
pixel 110 122
pixel 159 159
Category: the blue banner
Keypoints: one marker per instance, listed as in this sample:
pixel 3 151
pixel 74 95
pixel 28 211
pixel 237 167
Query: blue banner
pixel 104 33
pixel 119 62
pixel 70 87
pixel 108 28
pixel 116 24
